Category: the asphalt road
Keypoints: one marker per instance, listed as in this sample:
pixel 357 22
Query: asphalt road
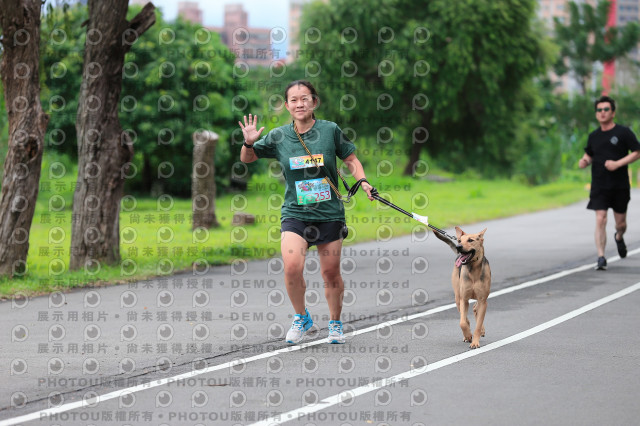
pixel 207 348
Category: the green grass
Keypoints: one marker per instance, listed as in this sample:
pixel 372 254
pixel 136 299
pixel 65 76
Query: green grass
pixel 157 240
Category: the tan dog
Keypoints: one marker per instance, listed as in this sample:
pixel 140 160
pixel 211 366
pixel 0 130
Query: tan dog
pixel 471 279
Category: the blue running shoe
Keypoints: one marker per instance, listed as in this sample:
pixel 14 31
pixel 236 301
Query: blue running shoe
pixel 335 332
pixel 300 325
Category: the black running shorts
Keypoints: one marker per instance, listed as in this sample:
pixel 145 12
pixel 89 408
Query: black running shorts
pixel 603 199
pixel 315 233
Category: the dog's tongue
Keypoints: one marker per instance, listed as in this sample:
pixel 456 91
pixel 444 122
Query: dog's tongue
pixel 460 259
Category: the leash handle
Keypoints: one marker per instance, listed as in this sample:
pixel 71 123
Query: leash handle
pixel 352 191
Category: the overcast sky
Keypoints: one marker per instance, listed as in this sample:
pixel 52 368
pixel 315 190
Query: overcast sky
pixel 262 13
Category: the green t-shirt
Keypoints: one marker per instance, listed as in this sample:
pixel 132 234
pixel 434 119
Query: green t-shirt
pixel 307 196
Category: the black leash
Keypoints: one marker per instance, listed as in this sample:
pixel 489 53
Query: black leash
pixel 374 193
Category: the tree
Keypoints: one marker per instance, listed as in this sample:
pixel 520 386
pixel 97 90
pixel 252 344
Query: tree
pixel 586 39
pixel 4 130
pixel 20 23
pixel 176 80
pixel 104 150
pixel 61 56
pixel 451 77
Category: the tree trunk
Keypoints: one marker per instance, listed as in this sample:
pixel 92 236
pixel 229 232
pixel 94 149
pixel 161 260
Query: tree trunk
pixel 20 22
pixel 103 148
pixel 203 181
pixel 147 174
pixel 414 156
pixel 417 147
pixel 583 84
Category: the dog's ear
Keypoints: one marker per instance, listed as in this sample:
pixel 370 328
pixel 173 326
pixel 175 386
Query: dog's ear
pixel 459 232
pixel 482 232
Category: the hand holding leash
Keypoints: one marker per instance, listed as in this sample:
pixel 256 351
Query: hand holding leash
pixel 366 187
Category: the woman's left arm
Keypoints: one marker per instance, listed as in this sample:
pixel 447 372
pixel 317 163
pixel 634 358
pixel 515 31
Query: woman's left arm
pixel 355 167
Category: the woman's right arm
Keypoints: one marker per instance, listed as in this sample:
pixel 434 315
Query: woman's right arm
pixel 251 135
pixel 247 155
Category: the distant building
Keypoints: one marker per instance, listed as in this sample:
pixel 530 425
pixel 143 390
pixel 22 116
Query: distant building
pixel 189 11
pixel 295 16
pixel 249 44
pixel 622 72
pixel 626 73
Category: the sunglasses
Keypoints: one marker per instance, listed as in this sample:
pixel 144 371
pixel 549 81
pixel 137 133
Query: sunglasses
pixel 606 109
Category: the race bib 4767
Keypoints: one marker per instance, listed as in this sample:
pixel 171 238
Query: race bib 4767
pixel 305 161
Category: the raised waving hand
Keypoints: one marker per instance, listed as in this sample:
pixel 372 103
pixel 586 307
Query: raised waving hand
pixel 249 131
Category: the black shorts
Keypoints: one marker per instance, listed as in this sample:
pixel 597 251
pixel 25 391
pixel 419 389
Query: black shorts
pixel 315 233
pixel 603 199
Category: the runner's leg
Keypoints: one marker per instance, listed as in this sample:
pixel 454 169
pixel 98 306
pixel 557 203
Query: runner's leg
pixel 600 234
pixel 621 224
pixel 294 250
pixel 334 285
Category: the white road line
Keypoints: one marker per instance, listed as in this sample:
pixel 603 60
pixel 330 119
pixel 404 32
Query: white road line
pixel 161 382
pixel 556 275
pixel 493 294
pixel 349 394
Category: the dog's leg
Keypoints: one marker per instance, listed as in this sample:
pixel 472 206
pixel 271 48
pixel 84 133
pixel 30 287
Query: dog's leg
pixel 455 283
pixel 481 311
pixel 464 321
pixel 475 313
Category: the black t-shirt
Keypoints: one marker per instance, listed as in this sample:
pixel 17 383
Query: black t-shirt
pixel 613 144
